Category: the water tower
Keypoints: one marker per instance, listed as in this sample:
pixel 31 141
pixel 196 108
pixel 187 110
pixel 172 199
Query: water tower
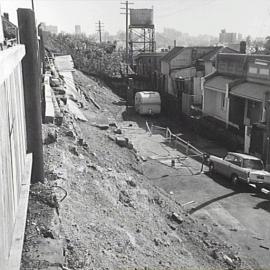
pixel 141 32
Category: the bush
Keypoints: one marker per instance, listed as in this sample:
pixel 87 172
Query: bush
pixel 88 56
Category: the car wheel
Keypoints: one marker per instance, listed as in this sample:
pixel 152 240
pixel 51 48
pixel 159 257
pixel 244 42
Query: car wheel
pixel 235 179
pixel 211 168
pixel 259 187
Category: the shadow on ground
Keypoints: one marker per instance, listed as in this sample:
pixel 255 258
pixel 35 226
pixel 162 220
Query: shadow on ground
pixel 203 205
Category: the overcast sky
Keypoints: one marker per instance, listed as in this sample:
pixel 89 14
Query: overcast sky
pixel 189 16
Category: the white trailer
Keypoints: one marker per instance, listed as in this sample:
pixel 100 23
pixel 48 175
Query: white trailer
pixel 147 102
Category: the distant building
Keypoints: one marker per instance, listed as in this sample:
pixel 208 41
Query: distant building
pixel 227 38
pixel 78 30
pixel 52 28
pixel 49 28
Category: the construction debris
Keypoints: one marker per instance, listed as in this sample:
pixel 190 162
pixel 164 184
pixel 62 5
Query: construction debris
pixel 177 218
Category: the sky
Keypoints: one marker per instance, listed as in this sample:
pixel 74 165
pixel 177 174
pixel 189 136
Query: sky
pixel 188 16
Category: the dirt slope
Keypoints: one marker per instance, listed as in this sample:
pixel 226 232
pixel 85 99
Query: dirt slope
pixel 112 216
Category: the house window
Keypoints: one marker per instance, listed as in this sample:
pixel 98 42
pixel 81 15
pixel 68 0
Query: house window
pixel 230 67
pixel 264 71
pixel 223 101
pixel 194 54
pixel 253 70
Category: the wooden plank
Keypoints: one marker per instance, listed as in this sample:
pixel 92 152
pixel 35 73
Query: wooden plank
pixel 15 254
pixel 12 145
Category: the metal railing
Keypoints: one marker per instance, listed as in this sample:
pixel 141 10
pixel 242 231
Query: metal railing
pixel 187 148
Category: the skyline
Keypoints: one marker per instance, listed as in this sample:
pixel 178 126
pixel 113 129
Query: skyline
pixel 188 16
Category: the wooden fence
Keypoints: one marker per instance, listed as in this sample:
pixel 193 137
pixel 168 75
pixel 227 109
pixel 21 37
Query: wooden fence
pixel 14 161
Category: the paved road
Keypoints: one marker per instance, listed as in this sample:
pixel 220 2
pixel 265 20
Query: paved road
pixel 241 215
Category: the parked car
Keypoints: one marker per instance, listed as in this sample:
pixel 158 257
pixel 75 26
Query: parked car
pixel 240 167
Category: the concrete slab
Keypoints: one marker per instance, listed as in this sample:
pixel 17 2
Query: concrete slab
pixel 156 147
pixel 65 67
pixel 73 108
pixel 64 63
pixel 70 85
pixel 49 107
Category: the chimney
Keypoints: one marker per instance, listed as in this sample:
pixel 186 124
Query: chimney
pixel 243 47
pixel 6 16
pixel 175 43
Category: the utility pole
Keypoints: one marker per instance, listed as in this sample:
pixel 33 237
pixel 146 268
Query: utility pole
pixel 267 106
pixel 33 6
pixel 126 8
pixel 99 30
pixel 32 92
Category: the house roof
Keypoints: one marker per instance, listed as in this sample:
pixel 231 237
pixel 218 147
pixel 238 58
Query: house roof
pixel 252 91
pixel 219 49
pixel 150 54
pixel 212 53
pixel 172 53
pixel 242 57
pixel 218 83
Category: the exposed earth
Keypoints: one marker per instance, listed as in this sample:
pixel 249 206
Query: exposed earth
pixel 104 206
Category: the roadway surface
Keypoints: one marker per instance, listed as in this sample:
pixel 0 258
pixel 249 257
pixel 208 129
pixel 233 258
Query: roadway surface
pixel 241 215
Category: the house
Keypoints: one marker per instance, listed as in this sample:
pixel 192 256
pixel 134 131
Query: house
pixel 209 60
pixel 148 63
pixel 148 67
pixel 237 93
pixel 182 71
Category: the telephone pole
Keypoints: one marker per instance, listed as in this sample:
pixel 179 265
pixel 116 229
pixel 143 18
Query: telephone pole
pixel 33 6
pixel 267 106
pixel 99 30
pixel 126 8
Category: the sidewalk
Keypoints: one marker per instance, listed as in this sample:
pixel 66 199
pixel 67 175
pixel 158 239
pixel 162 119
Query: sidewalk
pixel 157 147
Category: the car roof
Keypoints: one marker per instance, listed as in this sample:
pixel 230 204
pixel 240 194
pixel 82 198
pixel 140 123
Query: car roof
pixel 244 156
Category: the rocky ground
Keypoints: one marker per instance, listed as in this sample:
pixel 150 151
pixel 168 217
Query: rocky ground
pixel 97 210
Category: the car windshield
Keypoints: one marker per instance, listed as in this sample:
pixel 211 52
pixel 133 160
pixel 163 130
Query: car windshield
pixel 253 164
